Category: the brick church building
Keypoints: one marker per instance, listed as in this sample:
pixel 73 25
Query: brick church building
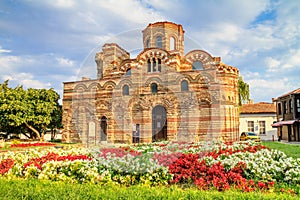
pixel 161 94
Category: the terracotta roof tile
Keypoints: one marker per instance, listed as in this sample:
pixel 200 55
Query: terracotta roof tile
pixel 261 107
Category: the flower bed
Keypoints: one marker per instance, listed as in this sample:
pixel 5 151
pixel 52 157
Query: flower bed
pixel 244 166
pixel 33 144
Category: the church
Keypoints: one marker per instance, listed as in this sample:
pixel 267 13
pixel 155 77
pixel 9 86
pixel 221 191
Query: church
pixel 161 94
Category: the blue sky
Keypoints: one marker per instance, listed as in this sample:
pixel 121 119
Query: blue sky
pixel 46 43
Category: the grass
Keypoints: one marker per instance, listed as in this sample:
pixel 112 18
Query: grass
pixel 290 150
pixel 36 189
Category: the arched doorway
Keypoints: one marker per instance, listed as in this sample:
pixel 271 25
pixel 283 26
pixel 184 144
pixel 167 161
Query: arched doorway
pixel 103 129
pixel 159 123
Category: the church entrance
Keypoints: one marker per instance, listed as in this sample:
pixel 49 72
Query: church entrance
pixel 159 124
pixel 103 129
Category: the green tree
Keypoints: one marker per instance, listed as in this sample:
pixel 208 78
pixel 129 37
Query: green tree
pixel 56 122
pixel 244 92
pixel 32 109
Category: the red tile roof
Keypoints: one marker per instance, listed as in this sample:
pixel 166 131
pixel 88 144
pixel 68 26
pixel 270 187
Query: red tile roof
pixel 261 107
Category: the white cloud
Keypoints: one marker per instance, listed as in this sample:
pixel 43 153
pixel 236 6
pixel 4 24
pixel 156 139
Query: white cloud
pixel 288 14
pixel 200 14
pixel 4 50
pixel 292 59
pixel 65 62
pixel 89 17
pixel 267 89
pixel 34 63
pixel 224 32
pixel 29 83
pixel 63 4
pixel 37 71
pixel 10 63
pixel 272 64
pixel 26 79
pixel 288 61
pixel 129 11
pixel 248 75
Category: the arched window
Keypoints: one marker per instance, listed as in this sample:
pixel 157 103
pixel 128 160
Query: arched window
pixel 172 43
pixel 184 86
pixel 159 65
pixel 148 43
pixel 128 72
pixel 197 65
pixel 154 65
pixel 103 129
pixel 125 90
pixel 159 41
pixel 154 88
pixel 154 68
pixel 149 65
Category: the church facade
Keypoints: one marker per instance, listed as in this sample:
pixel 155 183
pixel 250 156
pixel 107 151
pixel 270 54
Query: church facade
pixel 162 94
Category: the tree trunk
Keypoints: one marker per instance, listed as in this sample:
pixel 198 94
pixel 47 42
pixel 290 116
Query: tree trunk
pixel 34 130
pixel 42 136
pixel 28 136
pixel 44 131
pixel 53 133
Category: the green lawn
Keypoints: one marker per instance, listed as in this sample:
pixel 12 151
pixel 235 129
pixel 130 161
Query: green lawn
pixel 291 150
pixel 35 189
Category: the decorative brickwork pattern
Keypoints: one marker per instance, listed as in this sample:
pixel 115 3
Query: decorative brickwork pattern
pixel 161 94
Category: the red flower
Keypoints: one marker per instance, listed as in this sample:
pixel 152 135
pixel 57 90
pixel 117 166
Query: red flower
pixel 166 159
pixel 23 145
pixel 6 165
pixel 271 183
pixel 119 152
pixel 261 185
pixel 38 162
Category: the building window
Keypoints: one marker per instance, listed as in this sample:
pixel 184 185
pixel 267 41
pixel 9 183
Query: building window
pixel 159 65
pixel 128 72
pixel 250 126
pixel 184 86
pixel 136 134
pixel 197 65
pixel 159 41
pixel 154 65
pixel 262 127
pixel 279 108
pixel 172 43
pixel 285 108
pixel 125 90
pixel 149 65
pixel 298 105
pixel 154 68
pixel 103 129
pixel 148 43
pixel 154 88
pixel 291 107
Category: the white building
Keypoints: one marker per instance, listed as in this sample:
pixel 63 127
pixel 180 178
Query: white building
pixel 258 118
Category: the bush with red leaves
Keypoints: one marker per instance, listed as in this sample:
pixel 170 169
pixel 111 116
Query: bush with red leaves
pixel 188 169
